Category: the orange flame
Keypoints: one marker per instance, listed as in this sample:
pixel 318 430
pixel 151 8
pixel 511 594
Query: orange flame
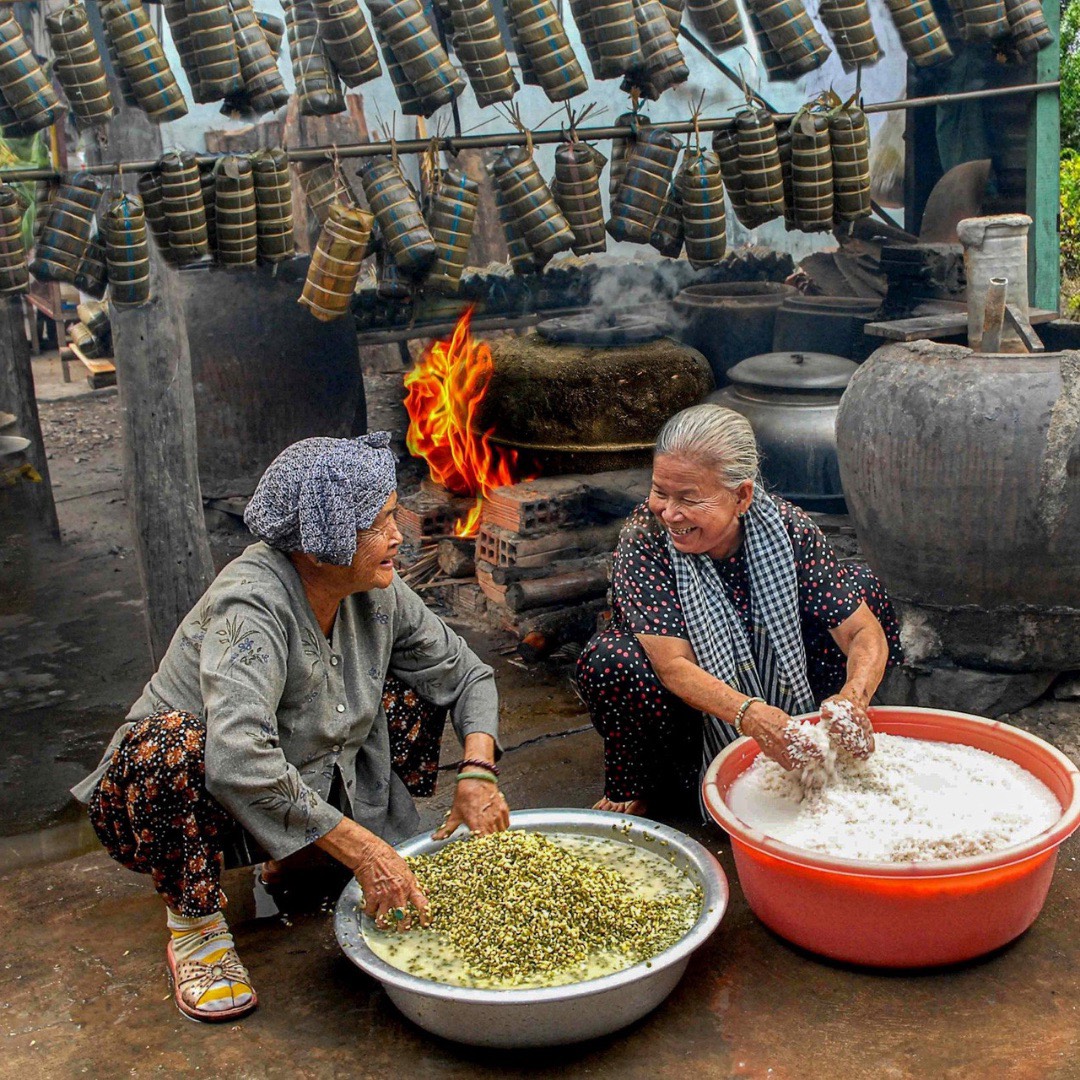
pixel 444 392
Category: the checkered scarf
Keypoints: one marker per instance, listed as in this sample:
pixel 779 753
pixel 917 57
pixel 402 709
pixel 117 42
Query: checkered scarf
pixel 771 665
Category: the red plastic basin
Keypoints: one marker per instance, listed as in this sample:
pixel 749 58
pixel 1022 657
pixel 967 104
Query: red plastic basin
pixel 902 914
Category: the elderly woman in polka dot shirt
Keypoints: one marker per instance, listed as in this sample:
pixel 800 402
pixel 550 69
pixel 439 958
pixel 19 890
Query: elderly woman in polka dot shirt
pixel 731 614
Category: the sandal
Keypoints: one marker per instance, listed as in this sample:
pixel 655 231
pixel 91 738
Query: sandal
pixel 192 978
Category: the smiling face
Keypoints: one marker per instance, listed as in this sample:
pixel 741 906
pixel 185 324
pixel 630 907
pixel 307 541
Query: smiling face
pixel 700 514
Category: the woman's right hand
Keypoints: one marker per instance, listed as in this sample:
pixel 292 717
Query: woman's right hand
pixel 769 727
pixel 389 887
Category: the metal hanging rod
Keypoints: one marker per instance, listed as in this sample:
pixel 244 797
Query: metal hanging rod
pixel 452 143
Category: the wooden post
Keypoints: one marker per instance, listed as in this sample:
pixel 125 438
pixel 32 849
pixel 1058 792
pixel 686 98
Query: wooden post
pixel 161 463
pixel 1044 173
pixel 17 396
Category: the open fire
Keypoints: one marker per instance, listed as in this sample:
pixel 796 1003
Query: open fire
pixel 443 394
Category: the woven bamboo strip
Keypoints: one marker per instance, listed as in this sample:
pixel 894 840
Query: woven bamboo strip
pixel 149 188
pixel 759 163
pixel 317 88
pixel 234 212
pixel 127 250
pixel 783 149
pixel 258 62
pixel 530 202
pixel 335 263
pixel 92 277
pixel 479 46
pixel 849 135
pixel 25 88
pixel 983 20
pixel 78 67
pixel 543 38
pixel 66 233
pixel 139 53
pixel 792 34
pixel 718 21
pixel 522 259
pixel 451 220
pixel 664 64
pixel 347 37
pixel 920 32
pixel 177 17
pixel 273 206
pixel 401 223
pixel 812 172
pixel 14 274
pixel 650 168
pixel 614 29
pixel 213 43
pixel 852 32
pixel 1028 25
pixel 181 192
pixel 417 50
pixel 701 198
pixel 620 148
pixel 576 189
pixel 667 231
pixel 582 11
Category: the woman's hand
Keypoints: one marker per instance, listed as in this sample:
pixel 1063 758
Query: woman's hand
pixel 479 805
pixel 778 736
pixel 848 723
pixel 389 888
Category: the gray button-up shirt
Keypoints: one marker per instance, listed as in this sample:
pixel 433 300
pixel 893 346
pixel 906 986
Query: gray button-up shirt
pixel 287 710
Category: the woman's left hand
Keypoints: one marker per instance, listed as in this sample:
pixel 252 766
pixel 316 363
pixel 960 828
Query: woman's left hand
pixel 480 806
pixel 850 723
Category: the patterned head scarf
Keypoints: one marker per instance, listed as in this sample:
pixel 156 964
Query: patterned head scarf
pixel 318 493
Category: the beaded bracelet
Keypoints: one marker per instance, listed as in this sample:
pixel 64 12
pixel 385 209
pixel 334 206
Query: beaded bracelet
pixel 477 776
pixel 737 725
pixel 476 763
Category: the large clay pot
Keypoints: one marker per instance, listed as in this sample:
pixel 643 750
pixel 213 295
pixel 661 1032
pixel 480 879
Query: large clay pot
pixel 962 474
pixel 826 324
pixel 578 396
pixel 791 400
pixel 729 322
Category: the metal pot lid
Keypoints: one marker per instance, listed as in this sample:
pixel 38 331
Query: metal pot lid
pixel 588 328
pixel 800 371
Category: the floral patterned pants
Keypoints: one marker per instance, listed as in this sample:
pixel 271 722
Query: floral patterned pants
pixel 153 814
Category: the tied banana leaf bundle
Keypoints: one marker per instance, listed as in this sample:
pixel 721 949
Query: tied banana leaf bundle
pixel 153 201
pixel 522 260
pixel 273 30
pixel 718 21
pixel 920 32
pixel 263 89
pixel 44 190
pixel 83 339
pixel 92 277
pixel 317 88
pixel 700 190
pixel 576 189
pixel 127 251
pixel 759 163
pixel 530 203
pixel 182 201
pixel 849 138
pixel 663 63
pixel 391 282
pixel 982 20
pixel 416 49
pixel 451 221
pixel 94 315
pixel 397 212
pixel 347 37
pixel 234 212
pixel 335 263
pixel 176 16
pixel 1027 24
pixel 14 273
pixel 273 206
pixel 582 11
pixel 79 68
pixel 25 88
pixel 812 171
pixel 410 101
pixel 142 58
pixel 68 229
pixel 543 40
pixel 479 46
pixel 674 10
pixel 852 32
pixel 791 34
pixel 783 148
pixel 620 148
pixel 127 92
pixel 209 197
pixel 726 146
pixel 667 231
pixel 613 29
pixel 323 185
pixel 213 47
pixel 646 184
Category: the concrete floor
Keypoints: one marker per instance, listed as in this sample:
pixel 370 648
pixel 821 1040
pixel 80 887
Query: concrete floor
pixel 83 989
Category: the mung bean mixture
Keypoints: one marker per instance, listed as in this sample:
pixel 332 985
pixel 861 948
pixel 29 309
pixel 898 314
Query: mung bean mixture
pixel 517 909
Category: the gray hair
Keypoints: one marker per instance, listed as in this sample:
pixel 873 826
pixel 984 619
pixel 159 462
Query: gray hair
pixel 720 439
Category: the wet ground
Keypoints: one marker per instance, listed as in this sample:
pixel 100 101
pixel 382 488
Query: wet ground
pixel 83 989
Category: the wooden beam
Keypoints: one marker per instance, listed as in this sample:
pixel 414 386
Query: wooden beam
pixel 17 396
pixel 1043 173
pixel 161 463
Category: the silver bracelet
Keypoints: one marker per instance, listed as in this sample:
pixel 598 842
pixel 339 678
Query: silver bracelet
pixel 737 725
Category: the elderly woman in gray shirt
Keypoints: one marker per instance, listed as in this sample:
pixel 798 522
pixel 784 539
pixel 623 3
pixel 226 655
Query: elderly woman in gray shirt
pixel 299 703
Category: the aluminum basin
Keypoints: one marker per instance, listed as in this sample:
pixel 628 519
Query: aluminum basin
pixel 549 1016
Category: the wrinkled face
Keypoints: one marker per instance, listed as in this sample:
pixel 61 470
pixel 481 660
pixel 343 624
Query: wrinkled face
pixel 372 566
pixel 701 514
